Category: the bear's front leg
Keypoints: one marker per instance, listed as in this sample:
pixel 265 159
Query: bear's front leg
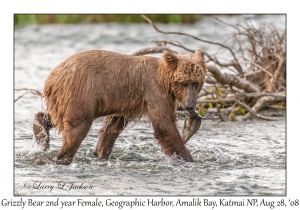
pixel 113 126
pixel 171 142
pixel 166 132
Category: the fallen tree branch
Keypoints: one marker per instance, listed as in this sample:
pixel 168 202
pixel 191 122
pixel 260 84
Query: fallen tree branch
pixel 229 100
pixel 261 103
pixel 257 95
pixel 276 107
pixel 254 95
pixel 254 113
pixel 232 80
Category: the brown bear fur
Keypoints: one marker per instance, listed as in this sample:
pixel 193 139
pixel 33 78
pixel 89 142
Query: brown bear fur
pixel 97 83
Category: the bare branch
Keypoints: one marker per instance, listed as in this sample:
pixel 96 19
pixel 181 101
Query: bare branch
pixel 32 91
pixel 210 58
pixel 238 66
pixel 21 96
pixel 29 89
pixel 261 68
pixel 215 60
pixel 274 78
pixel 178 44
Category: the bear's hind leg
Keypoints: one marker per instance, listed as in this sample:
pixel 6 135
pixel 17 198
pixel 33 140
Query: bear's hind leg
pixel 72 138
pixel 113 126
pixel 41 127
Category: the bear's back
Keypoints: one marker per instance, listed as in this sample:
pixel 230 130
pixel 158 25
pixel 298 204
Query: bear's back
pixel 98 82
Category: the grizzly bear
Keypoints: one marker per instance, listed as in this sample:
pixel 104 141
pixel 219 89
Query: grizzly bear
pixel 97 83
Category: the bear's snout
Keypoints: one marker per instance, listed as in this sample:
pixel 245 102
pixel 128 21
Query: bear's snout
pixel 190 98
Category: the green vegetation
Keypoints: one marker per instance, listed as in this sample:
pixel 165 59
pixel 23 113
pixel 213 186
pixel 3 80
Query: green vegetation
pixel 26 19
pixel 231 117
pixel 201 110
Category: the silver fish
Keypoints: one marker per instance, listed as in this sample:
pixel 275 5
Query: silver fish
pixel 192 124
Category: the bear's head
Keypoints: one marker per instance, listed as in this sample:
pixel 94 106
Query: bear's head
pixel 187 76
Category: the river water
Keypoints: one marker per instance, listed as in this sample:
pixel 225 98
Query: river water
pixel 231 158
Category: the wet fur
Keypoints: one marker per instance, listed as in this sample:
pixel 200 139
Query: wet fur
pixel 97 83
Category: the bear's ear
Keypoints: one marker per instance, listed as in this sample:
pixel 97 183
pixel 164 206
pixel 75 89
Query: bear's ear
pixel 170 58
pixel 199 56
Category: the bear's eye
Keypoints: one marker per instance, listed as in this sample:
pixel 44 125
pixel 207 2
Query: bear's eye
pixel 196 84
pixel 183 84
